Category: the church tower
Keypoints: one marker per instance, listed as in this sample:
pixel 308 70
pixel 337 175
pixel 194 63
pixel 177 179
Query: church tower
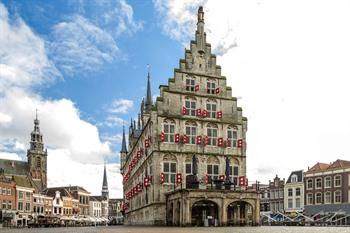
pixel 105 192
pixel 37 157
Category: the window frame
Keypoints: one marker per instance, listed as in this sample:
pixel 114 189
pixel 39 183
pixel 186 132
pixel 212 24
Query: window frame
pixel 212 134
pixel 335 180
pixel 328 179
pixel 169 135
pixel 326 195
pixel 231 131
pixel 191 107
pixel 211 86
pixel 211 107
pixel 309 181
pixel 213 175
pixel 189 130
pixel 170 175
pixel 190 84
pixel 335 196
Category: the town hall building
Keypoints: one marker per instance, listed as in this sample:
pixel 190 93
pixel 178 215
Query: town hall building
pixel 185 163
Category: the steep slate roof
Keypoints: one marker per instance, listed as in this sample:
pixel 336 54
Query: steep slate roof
pixel 299 175
pixel 23 181
pixel 14 167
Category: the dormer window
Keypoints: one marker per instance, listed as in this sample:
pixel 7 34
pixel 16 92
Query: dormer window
pixel 211 86
pixel 294 179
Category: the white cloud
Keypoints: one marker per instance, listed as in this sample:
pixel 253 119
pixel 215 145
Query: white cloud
pixel 291 69
pixel 120 106
pixel 25 66
pixel 63 171
pixel 8 155
pixel 23 59
pixel 78 45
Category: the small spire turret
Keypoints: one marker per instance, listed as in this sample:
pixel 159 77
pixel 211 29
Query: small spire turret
pixel 148 104
pixel 105 192
pixel 123 150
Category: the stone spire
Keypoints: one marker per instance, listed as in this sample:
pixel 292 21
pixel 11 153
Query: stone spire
pixel 36 138
pixel 123 150
pixel 105 192
pixel 200 34
pixel 148 104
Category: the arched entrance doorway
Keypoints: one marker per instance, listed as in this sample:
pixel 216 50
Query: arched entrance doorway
pixel 239 213
pixel 205 213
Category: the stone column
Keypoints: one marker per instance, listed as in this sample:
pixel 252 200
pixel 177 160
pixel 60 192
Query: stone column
pixel 223 221
pixel 257 212
pixel 187 213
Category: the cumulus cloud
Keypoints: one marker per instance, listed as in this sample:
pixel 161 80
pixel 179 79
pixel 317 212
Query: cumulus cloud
pixel 290 67
pixel 120 106
pixel 74 144
pixel 78 45
pixel 23 58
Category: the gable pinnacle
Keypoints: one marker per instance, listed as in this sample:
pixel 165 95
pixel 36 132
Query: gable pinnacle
pixel 123 150
pixel 148 104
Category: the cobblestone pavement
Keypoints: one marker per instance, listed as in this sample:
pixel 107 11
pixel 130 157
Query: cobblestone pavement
pixel 127 229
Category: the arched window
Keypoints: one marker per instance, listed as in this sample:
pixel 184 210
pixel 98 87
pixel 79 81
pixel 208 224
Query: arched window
pixel 191 132
pixel 212 168
pixel 169 131
pixel 318 198
pixel 211 86
pixel 169 169
pixel 190 104
pixel 212 133
pixel 327 198
pixel 232 136
pixel 234 171
pixel 211 108
pixel 337 196
pixel 309 184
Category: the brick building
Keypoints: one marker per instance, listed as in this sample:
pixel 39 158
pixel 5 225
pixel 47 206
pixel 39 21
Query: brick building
pixel 276 188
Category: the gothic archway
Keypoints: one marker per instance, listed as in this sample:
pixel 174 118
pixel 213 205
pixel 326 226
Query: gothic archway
pixel 205 213
pixel 240 213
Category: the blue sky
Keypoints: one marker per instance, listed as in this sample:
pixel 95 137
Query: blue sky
pixel 122 77
pixel 83 64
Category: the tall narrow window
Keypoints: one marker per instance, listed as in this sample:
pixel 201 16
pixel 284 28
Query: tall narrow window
pixel 318 198
pixel 212 133
pixel 191 132
pixel 327 182
pixel 309 199
pixel 318 183
pixel 234 174
pixel 188 168
pixel 327 198
pixel 232 136
pixel 169 170
pixel 213 172
pixel 337 181
pixel 337 196
pixel 309 184
pixel 211 86
pixel 297 192
pixel 211 109
pixel 190 105
pixel 169 131
pixel 190 84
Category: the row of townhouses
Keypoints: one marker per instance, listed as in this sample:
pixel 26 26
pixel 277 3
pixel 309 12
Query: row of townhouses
pixel 321 194
pixel 26 200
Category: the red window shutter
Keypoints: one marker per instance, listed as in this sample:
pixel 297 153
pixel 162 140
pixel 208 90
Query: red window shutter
pixel 220 142
pixel 199 139
pixel 204 113
pixel 184 110
pixel 228 143
pixel 206 179
pixel 178 178
pixel 196 88
pixel 241 181
pixel 206 140
pixel 162 136
pixel 146 143
pixel 162 178
pixel 222 177
pixel 199 112
pixel 185 139
pixel 240 143
pixel 246 182
pixel 217 90
pixel 219 114
pixel 177 138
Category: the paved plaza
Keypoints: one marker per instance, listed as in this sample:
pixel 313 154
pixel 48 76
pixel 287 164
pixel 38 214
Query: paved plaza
pixel 127 229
